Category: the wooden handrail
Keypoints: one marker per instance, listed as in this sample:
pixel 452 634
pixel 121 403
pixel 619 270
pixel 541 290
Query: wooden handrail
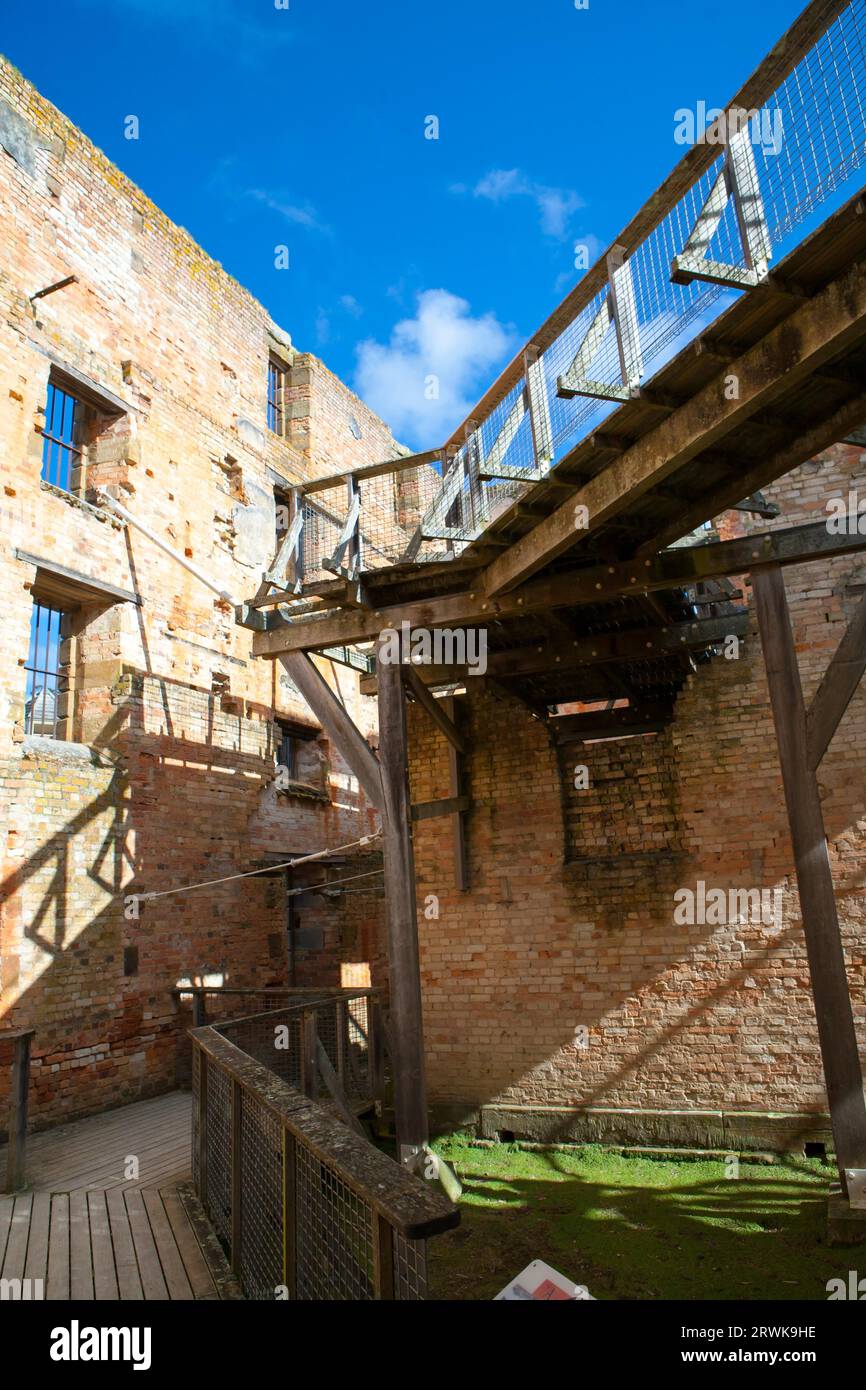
pixel 411 1208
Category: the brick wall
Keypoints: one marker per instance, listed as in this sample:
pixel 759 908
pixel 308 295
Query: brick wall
pixel 171 778
pixel 560 998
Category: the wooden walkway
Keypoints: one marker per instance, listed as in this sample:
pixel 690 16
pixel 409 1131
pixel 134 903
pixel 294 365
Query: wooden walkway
pixel 109 1211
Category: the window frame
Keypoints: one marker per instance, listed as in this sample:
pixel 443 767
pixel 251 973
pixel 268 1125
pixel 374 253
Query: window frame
pixel 278 372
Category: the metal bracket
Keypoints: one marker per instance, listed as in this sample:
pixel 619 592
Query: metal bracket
pixel 619 308
pixel 856 1180
pixel 737 180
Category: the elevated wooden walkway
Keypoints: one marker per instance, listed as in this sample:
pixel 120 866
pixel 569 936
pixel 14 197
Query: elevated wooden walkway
pixel 109 1211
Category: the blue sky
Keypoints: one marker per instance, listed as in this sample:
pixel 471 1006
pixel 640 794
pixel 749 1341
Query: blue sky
pixel 305 126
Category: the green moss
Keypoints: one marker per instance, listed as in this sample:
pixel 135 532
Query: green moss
pixel 637 1228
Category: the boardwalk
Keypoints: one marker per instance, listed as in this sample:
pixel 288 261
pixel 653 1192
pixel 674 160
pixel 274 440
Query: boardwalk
pixel 109 1211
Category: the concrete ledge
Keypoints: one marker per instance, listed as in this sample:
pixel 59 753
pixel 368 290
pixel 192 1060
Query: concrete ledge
pixel 728 1130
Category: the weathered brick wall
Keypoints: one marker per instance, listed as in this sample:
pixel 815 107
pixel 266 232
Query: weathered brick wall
pixel 173 782
pixel 569 923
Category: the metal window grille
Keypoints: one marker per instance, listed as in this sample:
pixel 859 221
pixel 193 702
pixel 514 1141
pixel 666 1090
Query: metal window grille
pixel 276 382
pixel 61 438
pixel 44 678
pixel 287 751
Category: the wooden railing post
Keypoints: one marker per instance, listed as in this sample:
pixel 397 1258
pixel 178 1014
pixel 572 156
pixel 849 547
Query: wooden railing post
pixel 199 1009
pixel 383 1259
pixel 309 1062
pixel 15 1160
pixel 342 1026
pixel 298 509
pixel 236 1177
pixel 375 1051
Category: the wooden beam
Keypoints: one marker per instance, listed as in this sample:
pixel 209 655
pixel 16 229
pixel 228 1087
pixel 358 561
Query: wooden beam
pixel 598 649
pixel 338 1095
pixel 670 569
pixel 434 707
pixel 444 806
pixel 648 718
pixel 804 444
pixel 836 689
pixel 334 718
pixel 836 1032
pixel 812 334
pixel 407 1033
pixel 429 458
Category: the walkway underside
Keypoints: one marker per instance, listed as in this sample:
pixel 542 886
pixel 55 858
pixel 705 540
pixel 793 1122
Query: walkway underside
pixel 779 377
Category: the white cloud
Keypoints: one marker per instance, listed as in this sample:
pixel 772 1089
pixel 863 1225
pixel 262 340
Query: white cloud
pixel 444 350
pixel 351 305
pixel 555 205
pixel 304 215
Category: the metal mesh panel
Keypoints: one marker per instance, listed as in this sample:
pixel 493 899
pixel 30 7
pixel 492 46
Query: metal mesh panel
pixel 334 1234
pixel 392 507
pixel 410 1267
pixel 217 1195
pixel 274 1039
pixel 324 515
pixel 261 1260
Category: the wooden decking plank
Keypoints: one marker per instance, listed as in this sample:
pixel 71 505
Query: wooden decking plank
pixel 91 1152
pixel 194 1262
pixel 125 1262
pixel 173 1269
pixel 150 1269
pixel 36 1264
pixel 58 1284
pixel 16 1245
pixel 104 1273
pixel 80 1255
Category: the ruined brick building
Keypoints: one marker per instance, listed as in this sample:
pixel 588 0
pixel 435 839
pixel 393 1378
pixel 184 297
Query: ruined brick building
pixel 560 996
pixel 139 740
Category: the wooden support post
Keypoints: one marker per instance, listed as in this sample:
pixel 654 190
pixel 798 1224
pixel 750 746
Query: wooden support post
pixel 836 1032
pixel 836 689
pixel 16 1154
pixel 456 784
pixel 334 718
pixel 435 708
pixel 410 1096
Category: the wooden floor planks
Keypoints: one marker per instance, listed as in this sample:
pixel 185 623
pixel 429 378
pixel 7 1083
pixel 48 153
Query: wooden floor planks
pixel 93 1224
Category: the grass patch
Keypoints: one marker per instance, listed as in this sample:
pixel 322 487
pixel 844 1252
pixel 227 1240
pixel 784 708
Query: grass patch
pixel 638 1228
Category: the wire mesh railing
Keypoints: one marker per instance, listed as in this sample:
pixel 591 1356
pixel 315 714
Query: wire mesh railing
pixel 304 1207
pixel 756 174
pixel 347 1026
